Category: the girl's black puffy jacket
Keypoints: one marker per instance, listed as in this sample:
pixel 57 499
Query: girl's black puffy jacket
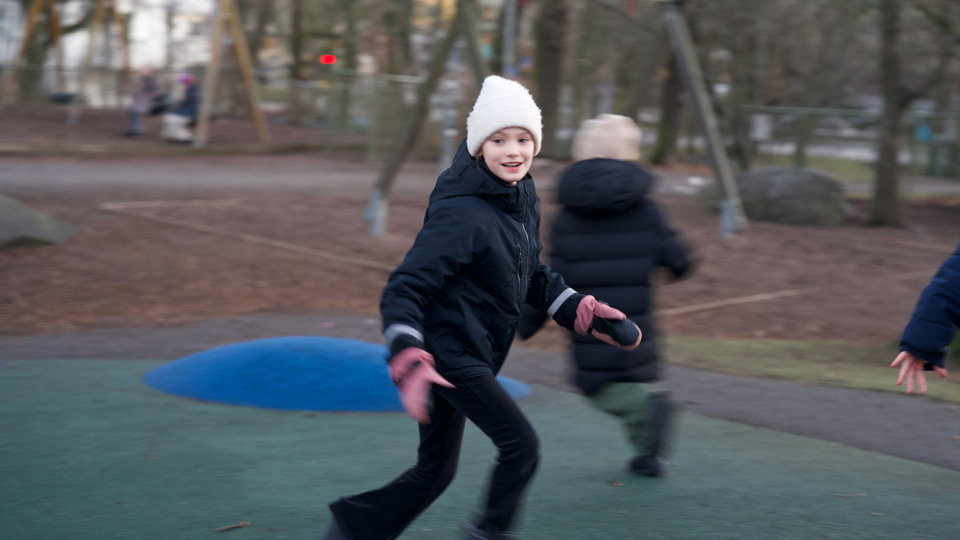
pixel 459 291
pixel 607 241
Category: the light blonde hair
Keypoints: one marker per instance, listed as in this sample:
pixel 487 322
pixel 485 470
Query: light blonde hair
pixel 607 136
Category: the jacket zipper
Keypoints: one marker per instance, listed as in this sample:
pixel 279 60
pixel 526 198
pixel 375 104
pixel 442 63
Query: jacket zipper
pixel 519 273
pixel 526 239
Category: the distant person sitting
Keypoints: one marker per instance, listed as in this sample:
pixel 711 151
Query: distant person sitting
pixel 143 98
pixel 177 124
pixel 933 325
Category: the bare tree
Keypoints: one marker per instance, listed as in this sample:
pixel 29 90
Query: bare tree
pixel 551 29
pixel 43 37
pixel 897 97
pixel 671 104
pixel 397 21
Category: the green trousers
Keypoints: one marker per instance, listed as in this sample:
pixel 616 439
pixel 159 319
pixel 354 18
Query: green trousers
pixel 633 404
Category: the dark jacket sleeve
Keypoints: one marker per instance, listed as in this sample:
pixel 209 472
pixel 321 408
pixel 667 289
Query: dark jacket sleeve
pixel 672 252
pixel 935 319
pixel 549 293
pixel 442 247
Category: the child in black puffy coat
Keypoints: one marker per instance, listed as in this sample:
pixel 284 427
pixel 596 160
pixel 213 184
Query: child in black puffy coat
pixel 608 241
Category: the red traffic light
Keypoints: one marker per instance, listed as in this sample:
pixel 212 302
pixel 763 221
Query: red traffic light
pixel 328 59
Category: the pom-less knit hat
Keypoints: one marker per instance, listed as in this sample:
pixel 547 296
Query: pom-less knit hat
pixel 607 136
pixel 502 103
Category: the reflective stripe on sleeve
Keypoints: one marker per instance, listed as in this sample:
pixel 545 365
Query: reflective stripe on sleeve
pixel 552 310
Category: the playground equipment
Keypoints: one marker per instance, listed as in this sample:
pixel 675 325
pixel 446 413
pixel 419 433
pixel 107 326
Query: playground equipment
pixel 226 29
pixel 226 18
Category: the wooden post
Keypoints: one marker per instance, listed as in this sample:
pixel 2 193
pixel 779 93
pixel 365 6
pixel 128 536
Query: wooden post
pixel 10 75
pixel 732 216
pixel 209 90
pixel 226 14
pixel 245 62
pixel 123 30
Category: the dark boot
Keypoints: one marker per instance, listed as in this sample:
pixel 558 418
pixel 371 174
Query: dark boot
pixel 660 427
pixel 471 532
pixel 334 532
pixel 646 465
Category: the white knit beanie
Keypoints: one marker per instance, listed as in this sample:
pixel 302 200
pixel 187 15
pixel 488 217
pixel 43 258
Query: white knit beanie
pixel 607 136
pixel 502 103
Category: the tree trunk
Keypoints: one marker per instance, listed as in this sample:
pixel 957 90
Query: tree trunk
pixel 804 132
pixel 168 57
pixel 671 104
pixel 649 64
pixel 296 52
pixel 397 21
pixel 551 30
pixel 31 78
pixel 886 210
pixel 585 63
pixel 349 63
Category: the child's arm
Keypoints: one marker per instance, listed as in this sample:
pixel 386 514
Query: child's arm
pixel 935 319
pixel 442 247
pixel 581 313
pixel 672 252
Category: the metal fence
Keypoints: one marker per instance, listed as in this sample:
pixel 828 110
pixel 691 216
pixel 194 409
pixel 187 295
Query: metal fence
pixel 366 106
pixel 801 136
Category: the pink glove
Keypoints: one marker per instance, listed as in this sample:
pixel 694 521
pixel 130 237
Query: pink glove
pixel 609 325
pixel 412 371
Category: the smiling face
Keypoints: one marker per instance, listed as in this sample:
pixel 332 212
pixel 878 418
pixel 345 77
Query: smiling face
pixel 508 154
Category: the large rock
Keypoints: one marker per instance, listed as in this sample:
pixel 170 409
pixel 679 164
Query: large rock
pixel 21 226
pixel 788 196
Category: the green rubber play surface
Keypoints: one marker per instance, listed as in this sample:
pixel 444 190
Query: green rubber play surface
pixel 89 452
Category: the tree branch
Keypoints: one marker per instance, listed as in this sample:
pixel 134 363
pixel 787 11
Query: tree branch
pixel 82 23
pixel 948 41
pixel 938 18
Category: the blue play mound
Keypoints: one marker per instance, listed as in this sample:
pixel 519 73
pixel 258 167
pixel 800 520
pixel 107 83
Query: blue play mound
pixel 297 373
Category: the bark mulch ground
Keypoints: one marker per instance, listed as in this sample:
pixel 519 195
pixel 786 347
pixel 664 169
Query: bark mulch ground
pixel 279 246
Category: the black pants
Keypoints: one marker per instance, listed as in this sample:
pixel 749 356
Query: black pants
pixel 384 513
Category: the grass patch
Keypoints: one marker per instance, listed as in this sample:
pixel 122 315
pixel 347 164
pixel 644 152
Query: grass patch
pixel 822 363
pixel 839 168
pixel 274 93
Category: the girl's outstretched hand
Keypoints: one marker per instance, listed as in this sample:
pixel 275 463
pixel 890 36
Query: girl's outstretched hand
pixel 413 371
pixel 607 324
pixel 911 369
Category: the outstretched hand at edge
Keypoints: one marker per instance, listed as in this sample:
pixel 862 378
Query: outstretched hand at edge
pixel 911 369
